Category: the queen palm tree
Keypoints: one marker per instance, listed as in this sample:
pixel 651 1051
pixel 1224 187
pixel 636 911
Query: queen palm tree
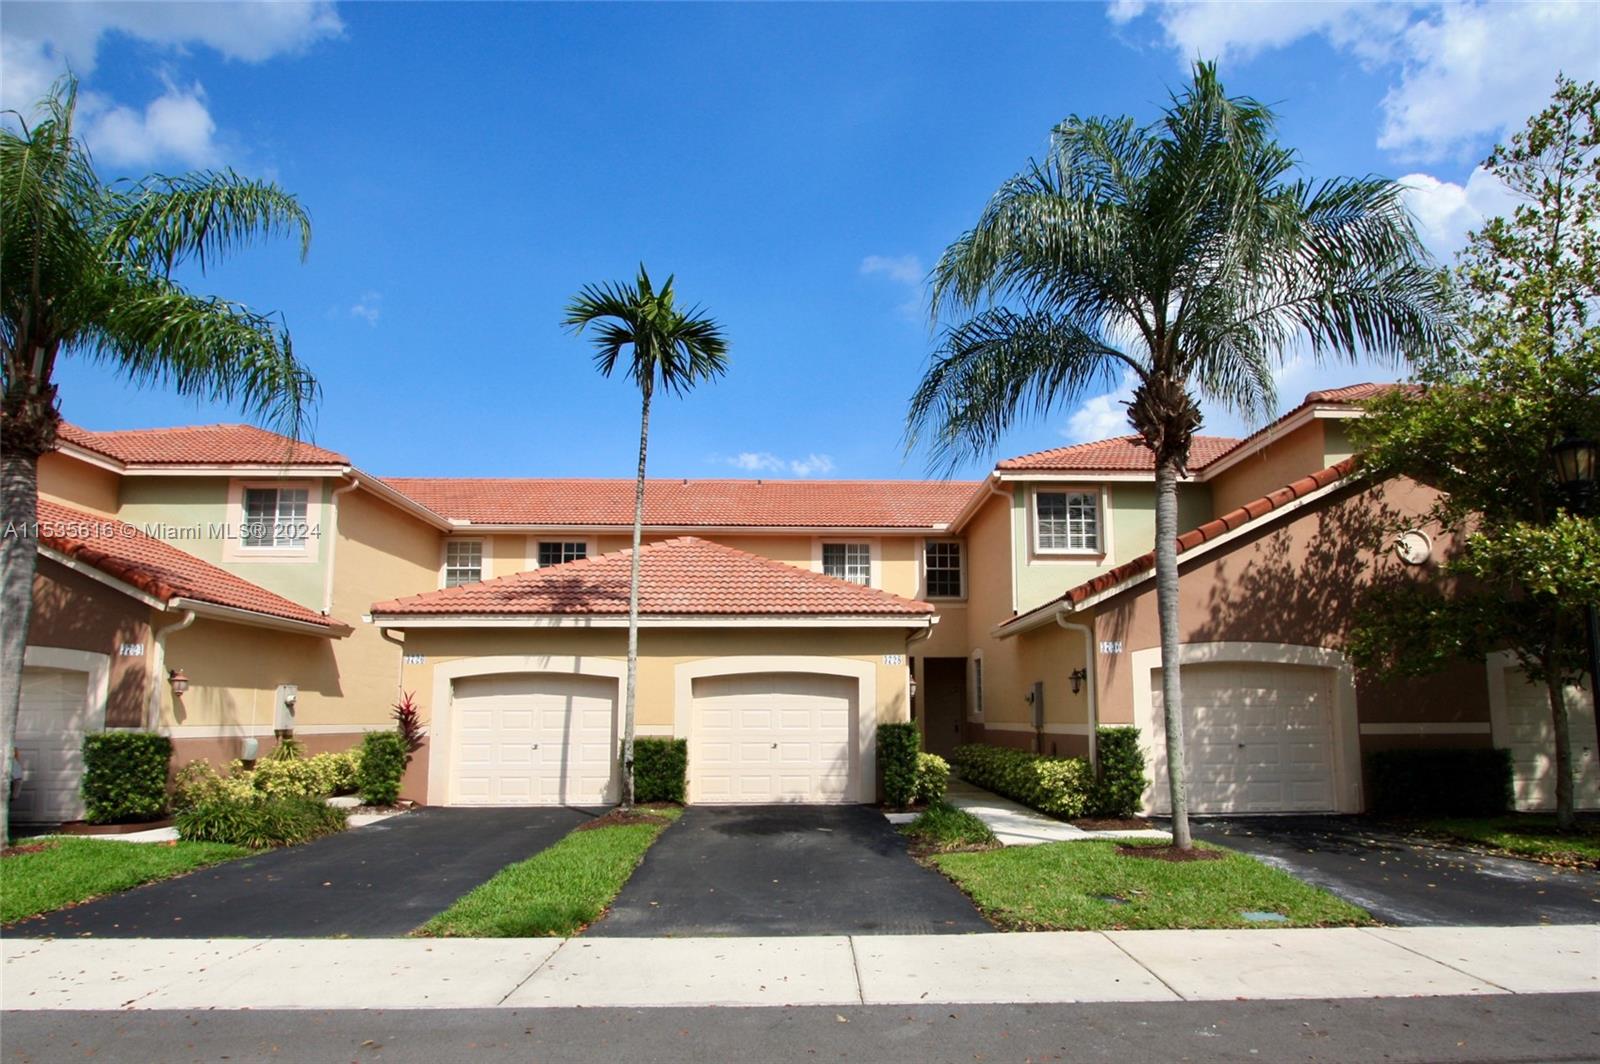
pixel 669 348
pixel 86 271
pixel 1183 254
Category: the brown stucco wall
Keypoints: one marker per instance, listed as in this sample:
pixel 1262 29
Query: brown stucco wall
pixel 74 612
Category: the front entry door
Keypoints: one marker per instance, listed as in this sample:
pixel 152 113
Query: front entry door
pixel 944 704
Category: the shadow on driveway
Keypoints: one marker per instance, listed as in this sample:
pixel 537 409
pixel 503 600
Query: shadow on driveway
pixel 378 881
pixel 1407 879
pixel 785 870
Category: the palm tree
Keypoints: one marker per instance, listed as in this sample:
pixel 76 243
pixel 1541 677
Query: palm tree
pixel 86 270
pixel 1182 254
pixel 673 349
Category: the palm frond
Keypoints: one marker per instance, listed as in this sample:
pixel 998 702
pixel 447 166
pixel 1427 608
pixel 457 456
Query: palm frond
pixel 202 217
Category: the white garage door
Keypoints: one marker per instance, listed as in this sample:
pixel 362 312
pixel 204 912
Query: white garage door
pixel 50 730
pixel 535 739
pixel 1258 738
pixel 1529 734
pixel 773 737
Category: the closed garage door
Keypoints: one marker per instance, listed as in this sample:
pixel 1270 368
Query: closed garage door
pixel 773 737
pixel 1258 738
pixel 535 739
pixel 1528 732
pixel 50 730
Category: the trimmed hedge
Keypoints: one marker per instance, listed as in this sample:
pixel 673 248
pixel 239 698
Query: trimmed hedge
pixel 933 778
pixel 383 763
pixel 125 776
pixel 1119 777
pixel 660 770
pixel 898 745
pixel 260 822
pixel 1439 782
pixel 1059 786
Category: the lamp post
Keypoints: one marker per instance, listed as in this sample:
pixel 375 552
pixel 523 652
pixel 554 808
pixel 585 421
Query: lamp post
pixel 1576 458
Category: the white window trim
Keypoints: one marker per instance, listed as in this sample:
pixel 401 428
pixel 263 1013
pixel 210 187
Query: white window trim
pixel 922 569
pixel 233 548
pixel 1102 521
pixel 975 687
pixel 556 537
pixel 874 553
pixel 486 572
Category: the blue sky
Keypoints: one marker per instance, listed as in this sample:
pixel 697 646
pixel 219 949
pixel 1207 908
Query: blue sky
pixel 798 168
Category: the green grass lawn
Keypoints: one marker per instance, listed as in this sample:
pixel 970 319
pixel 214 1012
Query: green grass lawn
pixel 941 828
pixel 71 870
pixel 558 891
pixel 1063 886
pixel 1523 834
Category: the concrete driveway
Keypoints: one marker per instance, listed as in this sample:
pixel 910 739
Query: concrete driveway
pixel 378 881
pixel 785 870
pixel 1407 879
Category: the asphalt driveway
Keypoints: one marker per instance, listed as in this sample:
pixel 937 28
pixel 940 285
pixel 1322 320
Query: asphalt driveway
pixel 373 882
pixel 785 870
pixel 1407 879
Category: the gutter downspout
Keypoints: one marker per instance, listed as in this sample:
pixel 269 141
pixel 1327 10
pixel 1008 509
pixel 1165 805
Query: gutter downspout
pixel 1011 518
pixel 1088 667
pixel 400 666
pixel 333 542
pixel 158 668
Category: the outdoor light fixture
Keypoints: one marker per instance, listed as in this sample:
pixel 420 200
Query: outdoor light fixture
pixel 913 687
pixel 1575 464
pixel 179 682
pixel 1077 677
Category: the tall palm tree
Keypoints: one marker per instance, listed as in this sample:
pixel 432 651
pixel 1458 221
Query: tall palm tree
pixel 86 270
pixel 672 349
pixel 1186 255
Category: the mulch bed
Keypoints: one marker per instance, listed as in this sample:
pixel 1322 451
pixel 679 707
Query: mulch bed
pixel 1170 853
pixel 618 817
pixel 1128 823
pixel 80 827
pixel 30 847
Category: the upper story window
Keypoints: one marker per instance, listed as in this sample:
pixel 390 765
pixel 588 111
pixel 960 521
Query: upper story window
pixel 463 562
pixel 554 553
pixel 848 561
pixel 1067 521
pixel 275 517
pixel 941 569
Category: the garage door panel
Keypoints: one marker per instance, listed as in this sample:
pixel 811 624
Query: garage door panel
pixel 772 737
pixel 535 738
pixel 1529 733
pixel 52 720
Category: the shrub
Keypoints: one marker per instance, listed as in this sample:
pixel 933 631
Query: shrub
pixel 1439 782
pixel 288 749
pixel 383 763
pixel 660 769
pixel 197 782
pixel 1059 786
pixel 943 828
pixel 408 723
pixel 1119 778
pixel 312 777
pixel 933 778
pixel 259 822
pixel 125 776
pixel 897 754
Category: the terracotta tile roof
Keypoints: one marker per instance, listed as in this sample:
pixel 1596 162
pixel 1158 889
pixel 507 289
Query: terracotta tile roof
pixel 685 576
pixel 1229 521
pixel 159 569
pixel 1354 393
pixel 200 445
pixel 693 503
pixel 1119 454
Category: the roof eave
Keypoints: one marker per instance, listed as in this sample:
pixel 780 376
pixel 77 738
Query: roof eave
pixel 620 621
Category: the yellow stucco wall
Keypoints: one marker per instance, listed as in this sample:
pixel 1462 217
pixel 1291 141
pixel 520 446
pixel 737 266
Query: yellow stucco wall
pixel 234 671
pixel 1285 459
pixel 75 483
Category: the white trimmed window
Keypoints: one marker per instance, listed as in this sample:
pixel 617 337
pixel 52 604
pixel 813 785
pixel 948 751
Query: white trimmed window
pixel 1067 521
pixel 556 552
pixel 463 562
pixel 941 569
pixel 848 561
pixel 275 517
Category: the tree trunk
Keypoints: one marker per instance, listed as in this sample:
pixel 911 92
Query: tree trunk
pixel 1167 609
pixel 1566 818
pixel 633 607
pixel 19 495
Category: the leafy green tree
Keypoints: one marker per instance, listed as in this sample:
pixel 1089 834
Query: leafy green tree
pixel 1526 372
pixel 671 349
pixel 86 270
pixel 1187 254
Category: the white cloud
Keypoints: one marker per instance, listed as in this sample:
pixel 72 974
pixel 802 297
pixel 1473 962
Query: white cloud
pixel 1460 71
pixel 1099 418
pixel 369 308
pixel 904 270
pixel 766 462
pixel 1446 211
pixel 41 41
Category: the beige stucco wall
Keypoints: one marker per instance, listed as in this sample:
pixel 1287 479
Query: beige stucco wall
pixel 234 671
pixel 75 483
pixel 71 611
pixel 1286 459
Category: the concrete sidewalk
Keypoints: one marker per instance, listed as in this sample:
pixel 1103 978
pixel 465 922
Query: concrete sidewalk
pixel 1014 824
pixel 1058 967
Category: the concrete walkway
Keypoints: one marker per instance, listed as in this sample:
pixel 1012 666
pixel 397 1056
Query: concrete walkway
pixel 1117 966
pixel 1017 825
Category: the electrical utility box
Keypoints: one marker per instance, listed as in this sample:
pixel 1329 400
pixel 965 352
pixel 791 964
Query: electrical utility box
pixel 1036 699
pixel 283 712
